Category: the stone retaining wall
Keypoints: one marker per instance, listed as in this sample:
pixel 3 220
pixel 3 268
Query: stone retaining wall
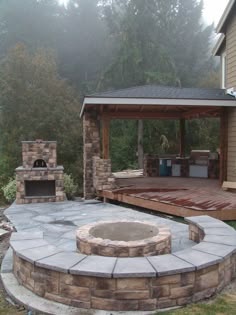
pixel 129 284
pixel 122 294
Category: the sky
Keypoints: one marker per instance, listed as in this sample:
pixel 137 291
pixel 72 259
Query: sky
pixel 213 9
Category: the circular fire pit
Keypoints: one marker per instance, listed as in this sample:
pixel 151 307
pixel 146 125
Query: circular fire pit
pixel 123 239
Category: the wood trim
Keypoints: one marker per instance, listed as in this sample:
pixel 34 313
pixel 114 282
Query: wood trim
pixel 197 112
pixel 144 115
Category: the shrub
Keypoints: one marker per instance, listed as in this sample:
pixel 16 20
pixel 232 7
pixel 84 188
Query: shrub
pixel 69 186
pixel 9 190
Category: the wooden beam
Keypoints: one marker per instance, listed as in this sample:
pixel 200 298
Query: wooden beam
pixel 196 112
pixel 140 143
pixel 101 109
pixel 144 115
pixel 141 108
pixel 182 137
pixel 105 136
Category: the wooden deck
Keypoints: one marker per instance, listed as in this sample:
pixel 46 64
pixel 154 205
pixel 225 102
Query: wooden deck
pixel 176 196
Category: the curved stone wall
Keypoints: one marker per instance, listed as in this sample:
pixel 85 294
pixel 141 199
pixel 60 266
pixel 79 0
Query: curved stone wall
pixel 129 284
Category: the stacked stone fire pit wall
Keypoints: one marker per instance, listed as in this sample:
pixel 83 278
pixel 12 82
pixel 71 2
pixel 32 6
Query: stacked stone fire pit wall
pixel 135 239
pixel 129 284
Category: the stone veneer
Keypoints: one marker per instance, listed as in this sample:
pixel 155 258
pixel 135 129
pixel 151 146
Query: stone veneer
pixel 151 165
pixel 91 140
pixel 129 284
pixel 23 175
pixel 102 175
pixel 31 152
pixel 158 244
pixel 35 150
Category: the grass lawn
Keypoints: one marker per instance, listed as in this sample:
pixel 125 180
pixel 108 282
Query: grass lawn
pixel 233 224
pixel 223 305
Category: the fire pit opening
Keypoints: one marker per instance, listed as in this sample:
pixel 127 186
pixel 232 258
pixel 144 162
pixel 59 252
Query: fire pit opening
pixel 123 239
pixel 124 231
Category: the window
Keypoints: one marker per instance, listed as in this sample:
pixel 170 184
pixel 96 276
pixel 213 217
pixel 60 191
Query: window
pixel 223 70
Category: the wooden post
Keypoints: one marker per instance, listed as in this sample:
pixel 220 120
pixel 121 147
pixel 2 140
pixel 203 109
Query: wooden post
pixel 105 136
pixel 223 145
pixel 182 137
pixel 140 143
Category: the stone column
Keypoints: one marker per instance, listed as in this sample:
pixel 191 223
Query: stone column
pixel 91 139
pixel 102 175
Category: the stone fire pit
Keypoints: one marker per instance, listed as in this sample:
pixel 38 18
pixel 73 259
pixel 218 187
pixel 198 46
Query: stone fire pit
pixel 123 239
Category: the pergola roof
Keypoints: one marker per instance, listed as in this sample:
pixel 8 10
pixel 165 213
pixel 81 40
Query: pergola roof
pixel 150 100
pixel 167 92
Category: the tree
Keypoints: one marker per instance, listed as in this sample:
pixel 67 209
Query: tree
pixel 140 58
pixel 83 49
pixel 36 103
pixel 185 37
pixel 161 42
pixel 35 23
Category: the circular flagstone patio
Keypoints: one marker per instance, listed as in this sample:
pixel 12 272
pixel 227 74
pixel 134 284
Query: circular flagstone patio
pixel 46 261
pixel 59 221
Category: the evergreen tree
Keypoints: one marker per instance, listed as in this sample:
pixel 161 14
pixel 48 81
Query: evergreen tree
pixel 35 103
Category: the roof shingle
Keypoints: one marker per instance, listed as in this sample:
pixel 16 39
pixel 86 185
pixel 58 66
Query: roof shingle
pixel 166 92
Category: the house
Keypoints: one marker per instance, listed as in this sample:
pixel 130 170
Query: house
pixel 226 46
pixel 226 49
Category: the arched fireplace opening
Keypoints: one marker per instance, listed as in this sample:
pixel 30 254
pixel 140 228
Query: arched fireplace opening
pixel 39 163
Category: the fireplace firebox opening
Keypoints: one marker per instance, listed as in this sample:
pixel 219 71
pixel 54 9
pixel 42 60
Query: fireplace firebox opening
pixel 40 188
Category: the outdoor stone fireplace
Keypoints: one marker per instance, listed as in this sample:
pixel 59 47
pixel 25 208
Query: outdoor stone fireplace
pixel 39 179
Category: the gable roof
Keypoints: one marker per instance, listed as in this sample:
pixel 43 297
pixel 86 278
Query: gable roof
pixel 220 28
pixel 156 95
pixel 224 17
pixel 217 49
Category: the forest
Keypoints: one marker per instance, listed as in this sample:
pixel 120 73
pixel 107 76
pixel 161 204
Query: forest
pixel 52 54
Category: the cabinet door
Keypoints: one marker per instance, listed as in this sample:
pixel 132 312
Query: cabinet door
pixel 175 169
pixel 198 171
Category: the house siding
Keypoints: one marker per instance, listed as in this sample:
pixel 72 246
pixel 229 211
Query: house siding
pixel 231 53
pixel 231 156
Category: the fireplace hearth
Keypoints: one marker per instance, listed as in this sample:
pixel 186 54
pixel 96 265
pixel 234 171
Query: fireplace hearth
pixel 39 179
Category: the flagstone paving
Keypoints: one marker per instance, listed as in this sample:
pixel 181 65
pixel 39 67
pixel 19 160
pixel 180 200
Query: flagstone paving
pixel 59 221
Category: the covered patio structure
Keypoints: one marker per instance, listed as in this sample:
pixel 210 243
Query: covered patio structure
pixel 158 102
